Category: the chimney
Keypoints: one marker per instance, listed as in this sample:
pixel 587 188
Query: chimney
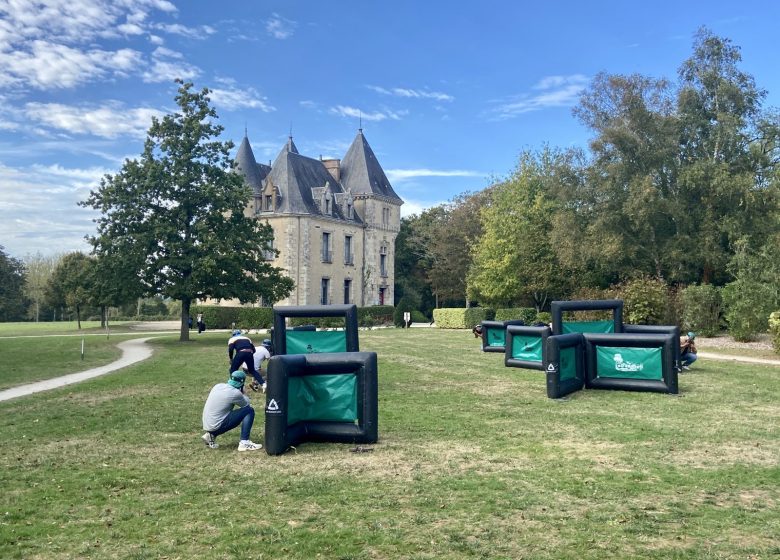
pixel 334 168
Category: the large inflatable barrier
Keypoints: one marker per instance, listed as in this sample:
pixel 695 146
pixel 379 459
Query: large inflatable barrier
pixel 321 388
pixel 592 354
pixel 308 340
pixel 326 397
pixel 494 335
pixel 525 346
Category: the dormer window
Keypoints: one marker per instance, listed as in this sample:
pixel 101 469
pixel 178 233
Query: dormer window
pixel 327 205
pixel 269 202
pixel 349 210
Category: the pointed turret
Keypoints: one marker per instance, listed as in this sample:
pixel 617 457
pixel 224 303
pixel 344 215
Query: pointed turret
pixel 247 166
pixel 361 172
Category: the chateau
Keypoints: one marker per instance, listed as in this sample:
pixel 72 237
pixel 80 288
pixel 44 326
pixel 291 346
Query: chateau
pixel 334 221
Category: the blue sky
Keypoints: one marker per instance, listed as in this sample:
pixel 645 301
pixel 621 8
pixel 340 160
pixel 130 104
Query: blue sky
pixel 449 92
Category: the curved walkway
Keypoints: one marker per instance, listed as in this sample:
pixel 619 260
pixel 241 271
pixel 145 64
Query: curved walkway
pixel 730 357
pixel 133 351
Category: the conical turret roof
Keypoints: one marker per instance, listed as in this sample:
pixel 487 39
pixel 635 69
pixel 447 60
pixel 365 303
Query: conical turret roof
pixel 361 172
pixel 247 166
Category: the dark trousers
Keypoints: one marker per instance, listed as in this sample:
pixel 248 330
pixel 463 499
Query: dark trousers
pixel 201 326
pixel 248 359
pixel 244 416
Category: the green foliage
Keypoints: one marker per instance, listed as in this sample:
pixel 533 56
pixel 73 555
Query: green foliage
pixel 217 317
pixel 645 300
pixel 375 315
pixel 527 314
pixel 774 328
pixel 748 304
pixel 255 317
pixel 13 302
pixel 461 318
pixel 419 317
pixel 406 305
pixel 71 283
pixel 175 217
pixel 544 317
pixel 701 309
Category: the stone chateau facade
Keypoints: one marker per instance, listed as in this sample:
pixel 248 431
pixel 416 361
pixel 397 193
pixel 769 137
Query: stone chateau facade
pixel 335 222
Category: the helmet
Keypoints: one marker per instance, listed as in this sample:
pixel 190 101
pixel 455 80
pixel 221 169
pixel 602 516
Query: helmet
pixel 267 342
pixel 691 335
pixel 237 379
pixel 236 332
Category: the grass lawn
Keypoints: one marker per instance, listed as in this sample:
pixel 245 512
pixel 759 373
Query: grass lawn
pixel 473 462
pixel 61 328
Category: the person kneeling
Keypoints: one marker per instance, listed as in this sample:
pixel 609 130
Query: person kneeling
pixel 219 416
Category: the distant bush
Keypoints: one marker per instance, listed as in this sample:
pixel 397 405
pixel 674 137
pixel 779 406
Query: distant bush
pixel 701 309
pixel 748 304
pixel 405 305
pixel 774 328
pixel 255 317
pixel 526 314
pixel 644 300
pixel 544 317
pixel 461 317
pixel 375 315
pixel 217 317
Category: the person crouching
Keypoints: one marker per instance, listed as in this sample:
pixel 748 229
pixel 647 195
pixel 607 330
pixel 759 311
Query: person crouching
pixel 220 417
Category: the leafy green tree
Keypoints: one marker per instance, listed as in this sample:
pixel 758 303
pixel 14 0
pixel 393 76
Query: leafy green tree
pixel 13 302
pixel 70 284
pixel 38 270
pixel 701 309
pixel 411 265
pixel 175 217
pixel 515 261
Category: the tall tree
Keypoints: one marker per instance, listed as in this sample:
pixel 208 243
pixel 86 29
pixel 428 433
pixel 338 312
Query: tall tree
pixel 175 217
pixel 70 284
pixel 13 302
pixel 725 149
pixel 38 271
pixel 515 261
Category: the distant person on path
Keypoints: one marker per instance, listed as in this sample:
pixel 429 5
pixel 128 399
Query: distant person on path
pixel 200 323
pixel 687 350
pixel 241 351
pixel 220 417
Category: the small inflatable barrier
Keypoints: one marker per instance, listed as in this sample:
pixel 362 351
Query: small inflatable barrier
pixel 631 362
pixel 657 329
pixel 308 340
pixel 564 364
pixel 494 334
pixel 321 398
pixel 525 346
pixel 559 326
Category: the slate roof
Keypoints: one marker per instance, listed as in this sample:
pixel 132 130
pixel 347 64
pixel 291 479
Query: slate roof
pixel 361 172
pixel 253 172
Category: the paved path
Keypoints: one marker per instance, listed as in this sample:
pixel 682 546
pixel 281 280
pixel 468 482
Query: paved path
pixel 747 359
pixel 133 351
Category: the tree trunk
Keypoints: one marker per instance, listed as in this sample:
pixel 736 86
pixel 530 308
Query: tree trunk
pixel 103 316
pixel 78 316
pixel 184 335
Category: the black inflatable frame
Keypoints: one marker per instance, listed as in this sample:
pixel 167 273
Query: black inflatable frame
pixel 657 329
pixel 279 436
pixel 668 382
pixel 557 308
pixel 556 387
pixel 502 325
pixel 349 312
pixel 522 330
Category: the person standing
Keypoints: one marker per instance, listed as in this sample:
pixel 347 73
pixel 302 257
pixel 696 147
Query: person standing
pixel 200 323
pixel 220 417
pixel 687 350
pixel 241 351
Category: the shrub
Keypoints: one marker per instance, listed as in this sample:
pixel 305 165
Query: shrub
pixel 217 317
pixel 544 317
pixel 405 305
pixel 461 317
pixel 375 315
pixel 644 300
pixel 255 318
pixel 419 317
pixel 527 314
pixel 774 328
pixel 701 309
pixel 748 304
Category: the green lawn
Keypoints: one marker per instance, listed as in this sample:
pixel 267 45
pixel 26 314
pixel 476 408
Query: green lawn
pixel 60 328
pixel 473 462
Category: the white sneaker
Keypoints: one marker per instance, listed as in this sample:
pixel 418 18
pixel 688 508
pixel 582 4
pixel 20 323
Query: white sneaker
pixel 264 387
pixel 686 368
pixel 246 445
pixel 209 440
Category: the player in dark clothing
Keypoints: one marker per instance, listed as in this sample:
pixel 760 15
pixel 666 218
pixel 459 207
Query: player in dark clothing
pixel 241 351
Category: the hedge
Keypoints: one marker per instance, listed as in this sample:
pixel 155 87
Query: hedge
pixel 774 328
pixel 527 314
pixel 218 317
pixel 461 317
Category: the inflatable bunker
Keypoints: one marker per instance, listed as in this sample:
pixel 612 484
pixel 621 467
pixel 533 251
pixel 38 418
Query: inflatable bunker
pixel 559 326
pixel 494 334
pixel 564 364
pixel 525 346
pixel 308 340
pixel 326 397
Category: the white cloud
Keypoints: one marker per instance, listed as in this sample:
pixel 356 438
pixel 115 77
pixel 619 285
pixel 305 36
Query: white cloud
pixel 231 98
pixel 168 65
pixel 551 91
pixel 279 27
pixel 110 120
pixel 400 175
pixel 413 93
pixel 40 209
pixel 352 112
pixel 417 207
pixel 199 32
